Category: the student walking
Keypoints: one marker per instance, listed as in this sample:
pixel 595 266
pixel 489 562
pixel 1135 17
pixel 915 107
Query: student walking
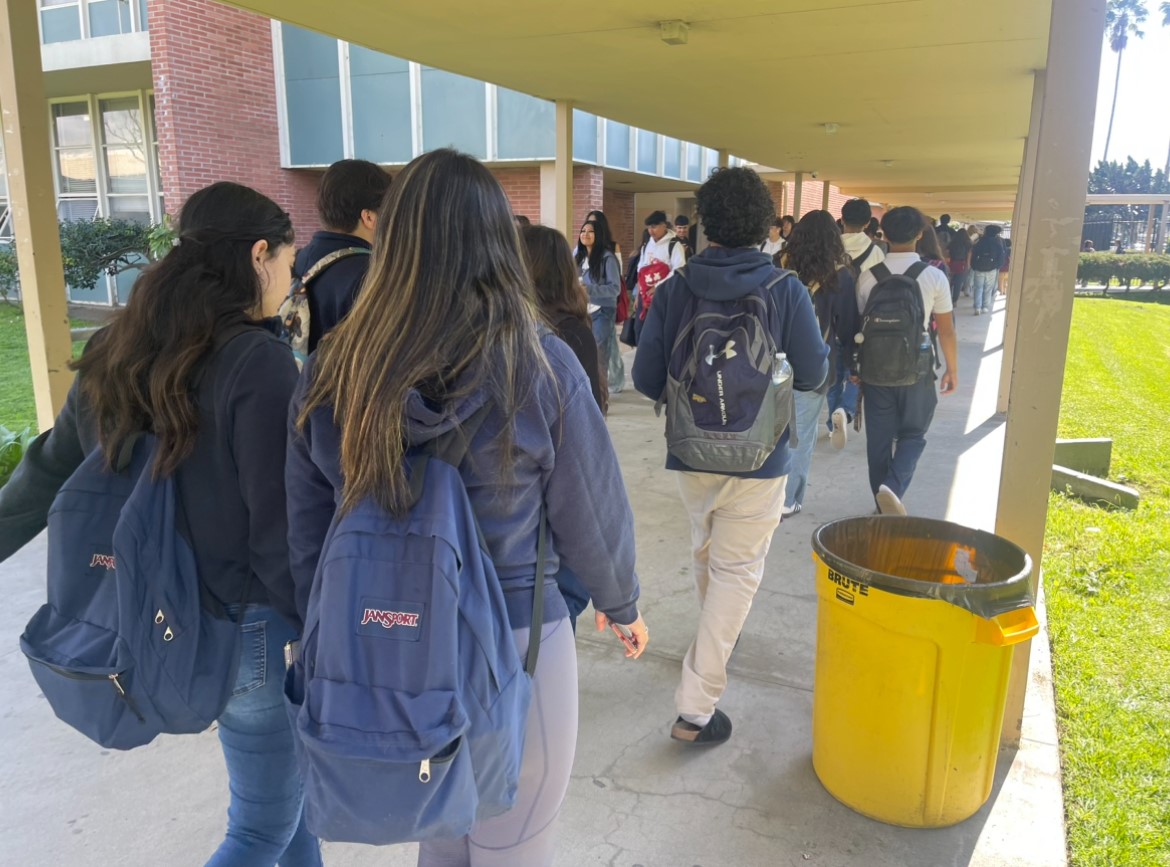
pixel 447 329
pixel 897 417
pixel 602 278
pixel 863 253
pixel 348 199
pixel 773 244
pixel 734 505
pixel 191 359
pixel 987 257
pixel 817 255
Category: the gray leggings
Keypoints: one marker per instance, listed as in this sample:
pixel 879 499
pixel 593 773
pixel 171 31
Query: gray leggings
pixel 525 836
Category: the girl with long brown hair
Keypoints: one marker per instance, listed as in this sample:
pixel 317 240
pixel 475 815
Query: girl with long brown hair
pixel 442 328
pixel 192 359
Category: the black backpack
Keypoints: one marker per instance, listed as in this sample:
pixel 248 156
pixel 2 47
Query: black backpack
pixel 987 255
pixel 893 347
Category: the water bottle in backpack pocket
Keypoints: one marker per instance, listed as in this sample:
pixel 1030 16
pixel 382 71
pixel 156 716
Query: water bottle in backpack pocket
pixel 890 343
pixel 725 411
pixel 126 648
pixel 408 700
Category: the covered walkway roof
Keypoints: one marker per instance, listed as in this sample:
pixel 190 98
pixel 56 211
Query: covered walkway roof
pixel 931 99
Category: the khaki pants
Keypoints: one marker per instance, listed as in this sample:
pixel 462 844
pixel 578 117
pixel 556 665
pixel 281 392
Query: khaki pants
pixel 732 522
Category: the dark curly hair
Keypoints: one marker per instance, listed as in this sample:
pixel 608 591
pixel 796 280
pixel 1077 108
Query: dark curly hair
pixel 815 250
pixel 735 207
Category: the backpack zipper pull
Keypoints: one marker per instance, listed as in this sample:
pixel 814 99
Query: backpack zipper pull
pixel 126 697
pixel 424 771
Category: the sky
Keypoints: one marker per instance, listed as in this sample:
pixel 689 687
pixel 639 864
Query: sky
pixel 1142 126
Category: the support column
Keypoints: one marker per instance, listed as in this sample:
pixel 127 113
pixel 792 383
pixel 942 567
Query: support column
pixel 797 193
pixel 34 207
pixel 724 159
pixel 783 200
pixel 1162 236
pixel 1056 212
pixel 1021 219
pixel 825 196
pixel 563 192
pixel 1150 228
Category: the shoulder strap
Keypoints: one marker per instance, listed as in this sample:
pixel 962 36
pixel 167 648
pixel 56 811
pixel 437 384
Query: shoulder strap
pixel 880 271
pixel 865 255
pixel 325 261
pixel 916 269
pixel 451 448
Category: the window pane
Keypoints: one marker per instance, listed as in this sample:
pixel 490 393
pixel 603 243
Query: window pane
pixel 45 4
pixel 526 126
pixel 126 170
pixel 133 208
pixel 76 209
pixel 694 163
pixel 672 157
pixel 122 121
pixel 617 145
pixel 109 17
pixel 77 171
pixel 313 89
pixel 143 23
pixel 647 152
pixel 380 87
pixel 99 294
pixel 712 160
pixel 60 25
pixel 72 124
pixel 124 280
pixel 454 113
pixel 584 136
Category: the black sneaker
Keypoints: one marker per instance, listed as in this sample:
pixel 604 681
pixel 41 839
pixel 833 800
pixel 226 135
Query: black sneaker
pixel 714 732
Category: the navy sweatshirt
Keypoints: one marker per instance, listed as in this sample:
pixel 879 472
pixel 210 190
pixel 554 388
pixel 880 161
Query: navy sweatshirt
pixel 563 457
pixel 723 274
pixel 231 486
pixel 332 294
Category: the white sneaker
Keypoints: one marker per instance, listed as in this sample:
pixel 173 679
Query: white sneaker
pixel 888 502
pixel 839 435
pixel 789 511
pixel 977 311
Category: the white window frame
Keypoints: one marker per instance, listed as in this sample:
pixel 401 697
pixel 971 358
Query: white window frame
pixel 82 7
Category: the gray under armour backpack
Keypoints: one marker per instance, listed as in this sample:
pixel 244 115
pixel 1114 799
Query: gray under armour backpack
pixel 724 413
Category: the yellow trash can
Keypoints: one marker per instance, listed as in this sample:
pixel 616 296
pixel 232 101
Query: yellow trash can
pixel 916 619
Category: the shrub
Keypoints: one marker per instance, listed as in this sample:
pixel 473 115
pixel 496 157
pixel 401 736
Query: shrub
pixel 12 449
pixel 9 271
pixel 1128 268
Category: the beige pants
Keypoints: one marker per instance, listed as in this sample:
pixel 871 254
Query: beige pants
pixel 732 522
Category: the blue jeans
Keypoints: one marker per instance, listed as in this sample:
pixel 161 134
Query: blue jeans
pixel 984 287
pixel 265 822
pixel 842 393
pixel 896 421
pixel 605 334
pixel 808 412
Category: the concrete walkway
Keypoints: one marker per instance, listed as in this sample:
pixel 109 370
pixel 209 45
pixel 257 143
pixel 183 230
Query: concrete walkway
pixel 637 798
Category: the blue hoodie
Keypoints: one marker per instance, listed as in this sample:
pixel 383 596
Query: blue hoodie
pixel 723 274
pixel 563 456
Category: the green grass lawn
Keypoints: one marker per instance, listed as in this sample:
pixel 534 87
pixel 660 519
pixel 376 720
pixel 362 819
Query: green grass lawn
pixel 1108 586
pixel 17 408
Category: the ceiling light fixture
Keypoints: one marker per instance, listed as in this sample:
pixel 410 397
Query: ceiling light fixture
pixel 888 163
pixel 831 128
pixel 674 32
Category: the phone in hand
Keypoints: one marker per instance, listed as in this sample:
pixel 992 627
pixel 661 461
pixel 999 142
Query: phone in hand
pixel 626 636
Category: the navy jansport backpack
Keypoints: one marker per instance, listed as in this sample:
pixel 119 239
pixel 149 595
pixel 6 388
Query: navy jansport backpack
pixel 724 414
pixel 408 700
pixel 128 646
pixel 893 345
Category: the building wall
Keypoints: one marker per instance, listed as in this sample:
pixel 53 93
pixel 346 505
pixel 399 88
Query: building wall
pixel 522 187
pixel 215 106
pixel 811 195
pixel 619 211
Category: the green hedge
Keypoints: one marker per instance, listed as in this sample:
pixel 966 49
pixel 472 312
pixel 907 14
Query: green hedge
pixel 1127 268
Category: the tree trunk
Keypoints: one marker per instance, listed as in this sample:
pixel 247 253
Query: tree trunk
pixel 1113 110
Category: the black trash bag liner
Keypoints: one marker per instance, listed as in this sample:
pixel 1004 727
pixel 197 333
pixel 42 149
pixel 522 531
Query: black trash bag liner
pixel 930 559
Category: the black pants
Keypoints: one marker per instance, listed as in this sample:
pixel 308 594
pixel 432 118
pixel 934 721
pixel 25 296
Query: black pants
pixel 896 421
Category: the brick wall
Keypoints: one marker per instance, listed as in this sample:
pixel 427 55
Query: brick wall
pixel 811 195
pixel 522 187
pixel 215 104
pixel 619 211
pixel 588 192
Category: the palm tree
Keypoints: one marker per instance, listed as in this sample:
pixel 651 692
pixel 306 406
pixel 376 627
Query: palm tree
pixel 1165 7
pixel 1122 18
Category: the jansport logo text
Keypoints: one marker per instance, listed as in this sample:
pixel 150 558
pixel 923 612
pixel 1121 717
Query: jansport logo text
pixel 389 619
pixel 104 560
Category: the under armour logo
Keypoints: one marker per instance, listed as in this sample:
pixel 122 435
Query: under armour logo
pixel 728 352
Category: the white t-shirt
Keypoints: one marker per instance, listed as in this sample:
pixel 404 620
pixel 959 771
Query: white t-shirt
pixel 936 288
pixel 773 247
